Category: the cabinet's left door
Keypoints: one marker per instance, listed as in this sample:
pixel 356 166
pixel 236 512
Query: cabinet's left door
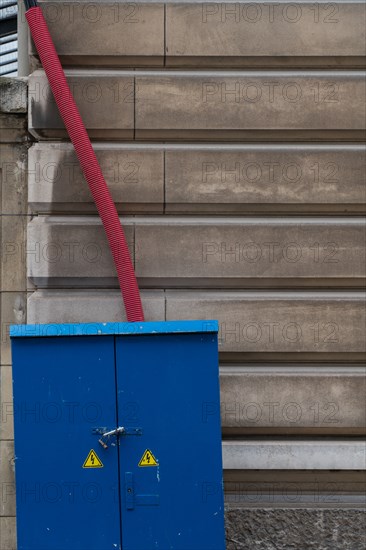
pixel 66 483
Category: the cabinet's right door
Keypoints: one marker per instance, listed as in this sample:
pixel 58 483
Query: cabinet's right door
pixel 171 475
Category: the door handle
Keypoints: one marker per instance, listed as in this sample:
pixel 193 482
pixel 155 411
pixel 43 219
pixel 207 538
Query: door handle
pixel 107 434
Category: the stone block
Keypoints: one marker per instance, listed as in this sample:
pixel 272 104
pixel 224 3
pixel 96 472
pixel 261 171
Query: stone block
pixel 8 533
pixel 106 33
pixel 316 326
pixel 250 252
pixel 68 252
pixel 250 105
pixel 297 399
pixel 13 95
pixel 6 403
pixel 224 34
pixel 13 128
pixel 13 311
pixel 7 489
pixel 294 455
pixel 13 219
pixel 105 101
pixel 266 178
pixel 88 306
pixel 135 177
pixel 201 252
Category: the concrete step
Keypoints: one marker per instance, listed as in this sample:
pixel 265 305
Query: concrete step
pixel 201 252
pixel 291 399
pixel 106 33
pixel 207 34
pixel 294 455
pixel 216 105
pixel 254 326
pixel 192 178
pixel 264 34
pixel 276 326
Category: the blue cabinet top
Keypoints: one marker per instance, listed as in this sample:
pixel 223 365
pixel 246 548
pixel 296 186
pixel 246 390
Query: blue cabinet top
pixel 122 328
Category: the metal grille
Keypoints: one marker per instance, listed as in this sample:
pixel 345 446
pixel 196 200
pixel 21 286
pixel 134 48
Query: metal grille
pixel 8 38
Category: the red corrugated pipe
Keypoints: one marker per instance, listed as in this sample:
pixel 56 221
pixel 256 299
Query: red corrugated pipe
pixel 88 161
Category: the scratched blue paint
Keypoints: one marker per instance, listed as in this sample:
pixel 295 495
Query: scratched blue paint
pixel 160 377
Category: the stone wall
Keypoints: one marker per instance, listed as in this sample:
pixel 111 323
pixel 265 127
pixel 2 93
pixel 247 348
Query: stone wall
pixel 13 285
pixel 231 136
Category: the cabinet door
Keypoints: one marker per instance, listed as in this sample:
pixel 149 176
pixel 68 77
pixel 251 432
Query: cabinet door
pixel 63 388
pixel 171 475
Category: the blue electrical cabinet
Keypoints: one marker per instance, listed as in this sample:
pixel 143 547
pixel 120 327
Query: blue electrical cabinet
pixel 117 436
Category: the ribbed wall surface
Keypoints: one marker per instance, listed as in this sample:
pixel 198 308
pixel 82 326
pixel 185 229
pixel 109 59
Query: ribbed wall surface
pixel 231 136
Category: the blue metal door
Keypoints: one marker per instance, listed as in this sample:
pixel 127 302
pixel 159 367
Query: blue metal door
pixel 171 486
pixel 67 485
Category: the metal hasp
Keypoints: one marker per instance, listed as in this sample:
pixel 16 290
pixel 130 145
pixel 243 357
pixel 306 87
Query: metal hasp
pixel 150 392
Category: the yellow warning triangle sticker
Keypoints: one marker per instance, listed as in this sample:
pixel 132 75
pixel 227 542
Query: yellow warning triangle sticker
pixel 148 459
pixel 92 460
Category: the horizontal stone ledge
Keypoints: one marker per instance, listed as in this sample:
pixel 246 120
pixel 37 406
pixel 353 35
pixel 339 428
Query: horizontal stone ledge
pixel 106 33
pixel 249 105
pixel 105 100
pixel 231 34
pixel 325 488
pixel 259 178
pixel 254 326
pixel 209 34
pixel 181 105
pixel 200 252
pixel 294 455
pixel 207 178
pixel 292 400
pixel 84 242
pixel 279 326
pixel 135 177
pixel 85 306
pixel 240 252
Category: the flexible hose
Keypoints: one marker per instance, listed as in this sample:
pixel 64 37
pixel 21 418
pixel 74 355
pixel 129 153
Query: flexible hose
pixel 89 163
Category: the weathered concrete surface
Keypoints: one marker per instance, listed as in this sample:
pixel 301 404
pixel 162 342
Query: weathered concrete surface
pixel 68 306
pixel 135 178
pixel 266 178
pixel 289 528
pixel 105 101
pixel 279 325
pixel 6 400
pixel 221 105
pixel 338 454
pixel 232 34
pixel 294 488
pixel 13 95
pixel 201 252
pixel 314 325
pixel 251 105
pixel 293 399
pixel 12 128
pixel 74 249
pixel 13 219
pixel 7 489
pixel 13 311
pixel 106 33
pixel 242 252
pixel 7 533
pixel 217 178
